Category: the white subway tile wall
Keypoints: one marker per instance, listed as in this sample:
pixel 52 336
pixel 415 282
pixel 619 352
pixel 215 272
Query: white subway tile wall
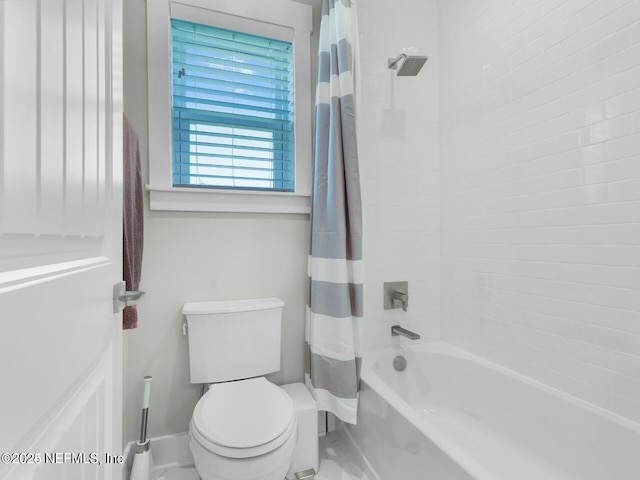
pixel 399 155
pixel 540 143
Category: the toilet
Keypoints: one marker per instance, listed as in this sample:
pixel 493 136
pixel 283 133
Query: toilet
pixel 245 427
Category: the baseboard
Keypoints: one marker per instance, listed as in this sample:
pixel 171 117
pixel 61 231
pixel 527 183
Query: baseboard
pixel 167 451
pixel 173 451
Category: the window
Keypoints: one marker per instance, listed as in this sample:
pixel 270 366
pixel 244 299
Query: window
pixel 229 105
pixel 232 109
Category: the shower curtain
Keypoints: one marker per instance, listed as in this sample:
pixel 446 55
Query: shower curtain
pixel 334 312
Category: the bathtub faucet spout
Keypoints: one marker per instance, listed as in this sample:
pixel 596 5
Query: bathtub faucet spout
pixel 398 330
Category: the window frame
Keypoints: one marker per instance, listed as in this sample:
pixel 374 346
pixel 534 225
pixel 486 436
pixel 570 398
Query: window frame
pixel 269 18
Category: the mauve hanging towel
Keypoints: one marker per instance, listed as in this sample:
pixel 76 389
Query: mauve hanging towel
pixel 132 232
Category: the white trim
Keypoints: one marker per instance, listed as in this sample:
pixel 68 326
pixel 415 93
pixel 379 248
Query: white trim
pixel 207 16
pixel 274 15
pixel 278 12
pixel 167 451
pixel 215 200
pixel 159 92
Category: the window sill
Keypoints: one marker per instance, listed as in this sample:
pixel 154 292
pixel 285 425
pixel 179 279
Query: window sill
pixel 211 200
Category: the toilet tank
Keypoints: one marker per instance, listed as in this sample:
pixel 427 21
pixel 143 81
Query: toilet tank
pixel 232 340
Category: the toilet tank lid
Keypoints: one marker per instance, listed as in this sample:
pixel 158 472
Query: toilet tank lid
pixel 231 306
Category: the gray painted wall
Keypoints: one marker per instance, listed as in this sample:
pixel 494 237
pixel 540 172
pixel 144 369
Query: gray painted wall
pixel 199 257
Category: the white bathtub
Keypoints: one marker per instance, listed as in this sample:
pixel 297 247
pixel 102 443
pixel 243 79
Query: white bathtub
pixel 455 416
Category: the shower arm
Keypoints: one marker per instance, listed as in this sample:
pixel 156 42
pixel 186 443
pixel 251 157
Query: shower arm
pixel 393 62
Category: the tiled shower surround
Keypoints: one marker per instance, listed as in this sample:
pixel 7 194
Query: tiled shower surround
pixel 398 142
pixel 540 181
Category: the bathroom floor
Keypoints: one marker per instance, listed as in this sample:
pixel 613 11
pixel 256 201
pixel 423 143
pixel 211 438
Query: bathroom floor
pixel 337 462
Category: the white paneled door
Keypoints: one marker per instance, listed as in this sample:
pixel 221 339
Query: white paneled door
pixel 60 238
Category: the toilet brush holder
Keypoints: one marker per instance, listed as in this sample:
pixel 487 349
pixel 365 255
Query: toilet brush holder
pixel 143 460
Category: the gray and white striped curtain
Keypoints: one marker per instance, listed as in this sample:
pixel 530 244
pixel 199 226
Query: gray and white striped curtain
pixel 334 313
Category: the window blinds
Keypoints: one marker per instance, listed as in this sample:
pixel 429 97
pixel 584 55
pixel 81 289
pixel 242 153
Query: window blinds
pixel 232 109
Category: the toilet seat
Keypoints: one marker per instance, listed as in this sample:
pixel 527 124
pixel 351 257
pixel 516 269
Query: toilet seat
pixel 243 419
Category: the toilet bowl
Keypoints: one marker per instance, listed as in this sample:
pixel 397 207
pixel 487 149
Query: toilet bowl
pixel 242 430
pixel 244 427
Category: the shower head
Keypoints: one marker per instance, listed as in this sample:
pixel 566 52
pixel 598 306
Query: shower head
pixel 410 67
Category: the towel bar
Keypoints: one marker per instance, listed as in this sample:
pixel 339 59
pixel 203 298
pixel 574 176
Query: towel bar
pixel 124 298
